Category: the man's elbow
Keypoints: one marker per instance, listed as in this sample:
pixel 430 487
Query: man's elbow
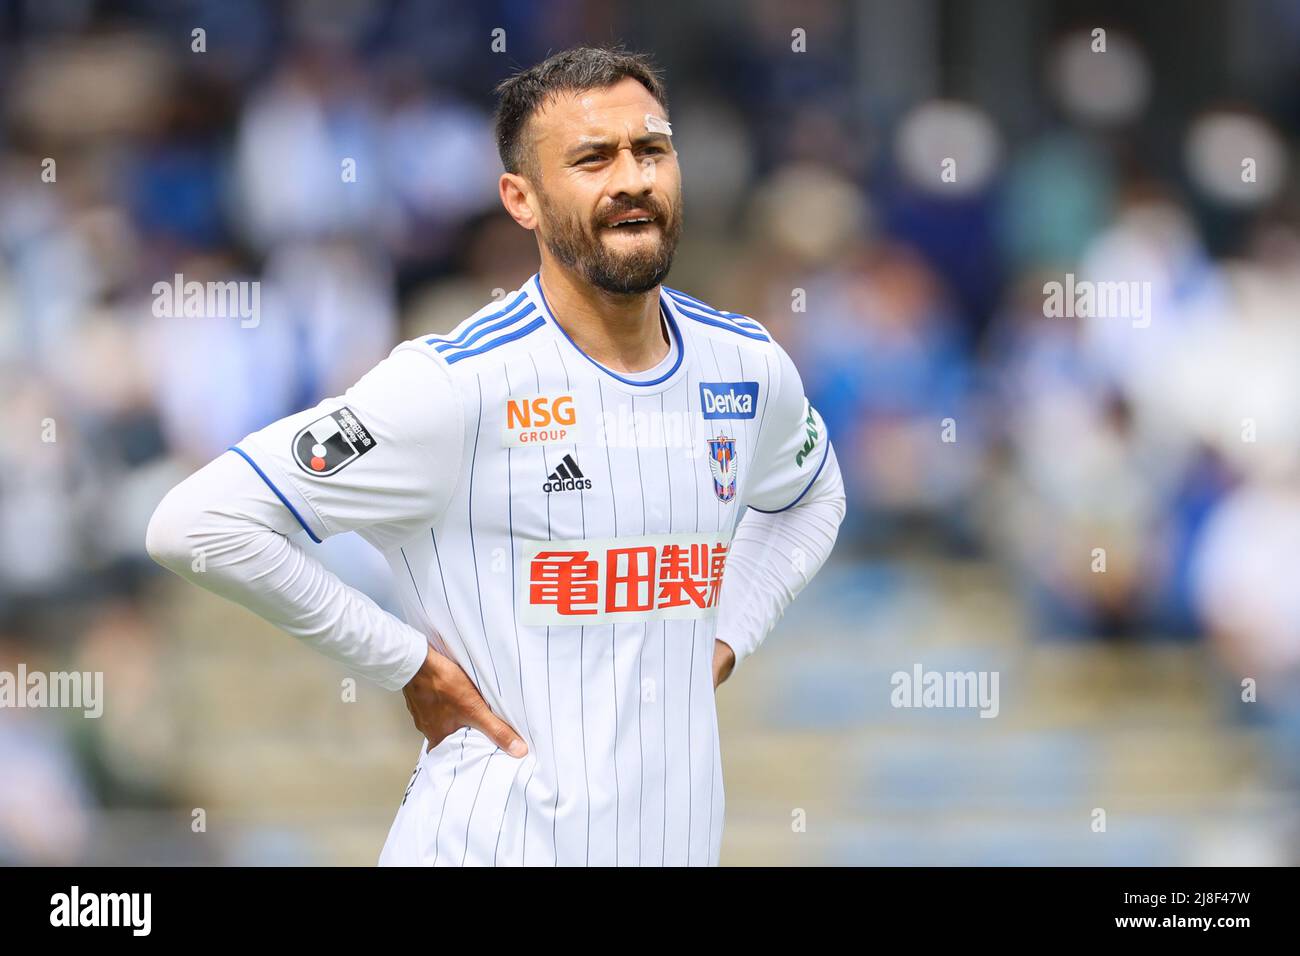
pixel 833 487
pixel 166 539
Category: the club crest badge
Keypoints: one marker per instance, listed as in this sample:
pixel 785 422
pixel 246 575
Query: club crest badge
pixel 722 465
pixel 331 443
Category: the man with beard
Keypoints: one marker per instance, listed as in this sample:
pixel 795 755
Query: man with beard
pixel 559 485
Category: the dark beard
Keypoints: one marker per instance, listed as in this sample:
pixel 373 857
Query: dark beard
pixel 582 250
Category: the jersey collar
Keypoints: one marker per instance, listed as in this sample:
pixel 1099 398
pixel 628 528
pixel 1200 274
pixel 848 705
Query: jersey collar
pixel 534 285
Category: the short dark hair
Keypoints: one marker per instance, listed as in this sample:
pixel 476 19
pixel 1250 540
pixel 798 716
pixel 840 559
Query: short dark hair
pixel 581 68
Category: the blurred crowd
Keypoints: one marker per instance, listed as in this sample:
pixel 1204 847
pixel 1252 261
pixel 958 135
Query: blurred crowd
pixel 1138 477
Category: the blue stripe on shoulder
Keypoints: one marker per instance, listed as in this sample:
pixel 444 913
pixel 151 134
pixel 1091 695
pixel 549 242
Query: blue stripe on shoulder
pixel 465 332
pixel 683 299
pixel 278 493
pixel 500 340
pixel 509 320
pixel 721 323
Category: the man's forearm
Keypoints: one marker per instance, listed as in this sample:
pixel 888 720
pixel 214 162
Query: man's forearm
pixel 222 530
pixel 773 556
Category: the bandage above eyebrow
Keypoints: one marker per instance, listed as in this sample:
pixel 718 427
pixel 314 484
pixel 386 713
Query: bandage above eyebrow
pixel 656 125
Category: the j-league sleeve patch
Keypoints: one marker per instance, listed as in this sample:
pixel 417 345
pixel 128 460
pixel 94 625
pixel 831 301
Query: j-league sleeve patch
pixel 331 443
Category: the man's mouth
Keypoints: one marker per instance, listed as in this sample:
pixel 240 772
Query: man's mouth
pixel 631 222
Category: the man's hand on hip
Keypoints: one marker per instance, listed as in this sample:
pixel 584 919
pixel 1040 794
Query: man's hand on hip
pixel 442 699
pixel 724 659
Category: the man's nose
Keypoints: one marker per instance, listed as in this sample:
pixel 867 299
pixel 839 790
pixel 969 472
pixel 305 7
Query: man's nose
pixel 629 175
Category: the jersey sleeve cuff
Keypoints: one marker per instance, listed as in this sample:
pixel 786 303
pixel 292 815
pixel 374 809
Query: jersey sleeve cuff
pixel 811 481
pixel 741 649
pixel 286 491
pixel 411 664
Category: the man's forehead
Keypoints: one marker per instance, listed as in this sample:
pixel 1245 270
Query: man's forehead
pixel 625 107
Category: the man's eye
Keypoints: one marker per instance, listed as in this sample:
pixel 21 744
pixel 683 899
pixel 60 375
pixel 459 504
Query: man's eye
pixel 654 149
pixel 590 158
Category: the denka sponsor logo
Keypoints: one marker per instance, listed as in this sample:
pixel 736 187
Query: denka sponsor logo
pixel 728 399
pixel 540 420
pixel 622 580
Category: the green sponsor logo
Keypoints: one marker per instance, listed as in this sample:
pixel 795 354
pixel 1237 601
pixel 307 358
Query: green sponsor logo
pixel 811 441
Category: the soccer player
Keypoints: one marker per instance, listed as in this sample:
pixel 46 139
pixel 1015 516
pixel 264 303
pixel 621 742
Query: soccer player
pixel 597 495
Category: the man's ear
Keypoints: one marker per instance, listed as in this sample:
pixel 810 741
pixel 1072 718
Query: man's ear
pixel 517 197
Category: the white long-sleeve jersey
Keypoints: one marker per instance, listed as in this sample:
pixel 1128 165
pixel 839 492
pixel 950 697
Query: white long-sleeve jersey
pixel 564 533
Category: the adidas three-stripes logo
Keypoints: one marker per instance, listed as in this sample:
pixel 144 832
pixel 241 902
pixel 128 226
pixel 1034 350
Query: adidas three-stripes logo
pixel 566 477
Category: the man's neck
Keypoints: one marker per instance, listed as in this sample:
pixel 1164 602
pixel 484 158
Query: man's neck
pixel 622 332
